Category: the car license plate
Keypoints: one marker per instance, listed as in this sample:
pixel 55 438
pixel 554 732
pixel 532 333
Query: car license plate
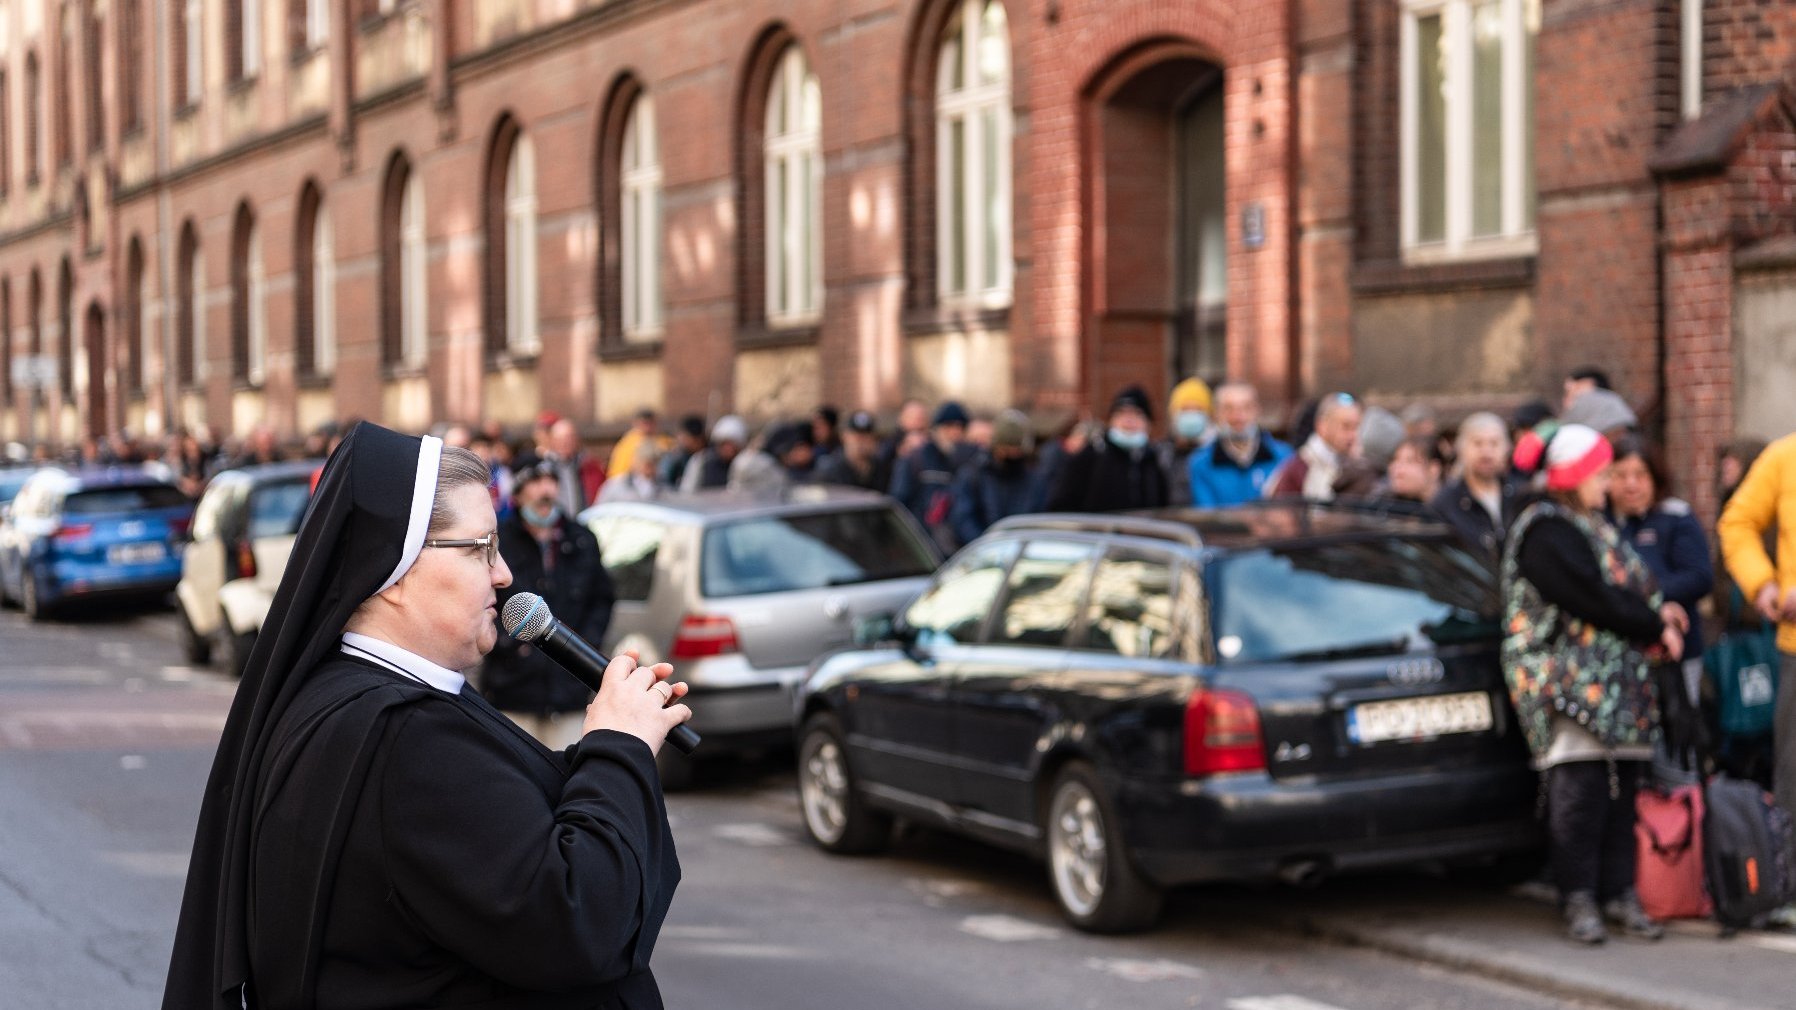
pixel 134 554
pixel 1419 718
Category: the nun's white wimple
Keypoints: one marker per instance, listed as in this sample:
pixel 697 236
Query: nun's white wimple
pixel 424 489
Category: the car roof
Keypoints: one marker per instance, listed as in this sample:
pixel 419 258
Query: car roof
pixel 700 507
pixel 1255 524
pixel 282 470
pixel 87 478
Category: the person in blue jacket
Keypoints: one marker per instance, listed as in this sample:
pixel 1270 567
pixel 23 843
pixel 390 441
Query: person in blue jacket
pixel 1002 481
pixel 1665 532
pixel 1235 466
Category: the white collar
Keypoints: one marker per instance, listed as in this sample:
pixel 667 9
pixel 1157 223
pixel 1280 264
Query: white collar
pixel 404 661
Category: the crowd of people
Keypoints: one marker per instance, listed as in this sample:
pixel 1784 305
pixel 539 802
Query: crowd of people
pixel 1608 578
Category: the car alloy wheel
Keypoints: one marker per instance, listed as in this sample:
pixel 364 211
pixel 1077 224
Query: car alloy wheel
pixel 194 647
pixel 1093 880
pixel 834 816
pixel 29 598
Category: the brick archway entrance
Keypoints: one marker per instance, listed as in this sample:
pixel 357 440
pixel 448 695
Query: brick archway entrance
pixel 1157 274
pixel 98 374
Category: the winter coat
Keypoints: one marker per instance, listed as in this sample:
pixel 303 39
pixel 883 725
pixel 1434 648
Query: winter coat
pixel 986 491
pixel 1105 477
pixel 1218 481
pixel 517 677
pixel 1672 543
pixel 1461 509
pixel 1765 498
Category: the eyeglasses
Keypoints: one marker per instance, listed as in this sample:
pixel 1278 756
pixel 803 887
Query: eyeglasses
pixel 488 544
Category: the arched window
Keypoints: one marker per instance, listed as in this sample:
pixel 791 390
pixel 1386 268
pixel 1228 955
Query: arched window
pixel 65 332
pixel 64 139
pixel 793 163
pixel 243 38
pixel 6 395
pixel 511 242
pixel 96 108
pixel 314 258
pixel 130 66
pixel 135 342
pixel 641 222
pixel 249 329
pixel 190 319
pixel 189 52
pixel 5 136
pixel 972 149
pixel 404 260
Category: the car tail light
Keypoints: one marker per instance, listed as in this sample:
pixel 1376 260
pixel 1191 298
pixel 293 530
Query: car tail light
pixel 1222 733
pixel 76 531
pixel 246 561
pixel 700 636
pixel 177 528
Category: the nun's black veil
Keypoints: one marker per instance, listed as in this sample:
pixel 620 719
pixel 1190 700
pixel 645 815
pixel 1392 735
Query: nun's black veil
pixel 359 532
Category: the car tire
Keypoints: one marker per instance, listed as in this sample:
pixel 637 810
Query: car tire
pixel 1094 882
pixel 31 598
pixel 835 816
pixel 195 647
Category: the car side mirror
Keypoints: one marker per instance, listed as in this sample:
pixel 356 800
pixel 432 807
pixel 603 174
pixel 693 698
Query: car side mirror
pixel 874 629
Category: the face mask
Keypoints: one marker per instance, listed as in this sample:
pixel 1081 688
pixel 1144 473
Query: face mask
pixel 543 519
pixel 1130 440
pixel 1191 424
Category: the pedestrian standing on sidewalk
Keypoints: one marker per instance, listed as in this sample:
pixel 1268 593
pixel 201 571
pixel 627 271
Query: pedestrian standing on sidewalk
pixel 1483 502
pixel 923 480
pixel 1118 471
pixel 557 559
pixel 1580 615
pixel 1188 421
pixel 1235 467
pixel 1001 481
pixel 1664 531
pixel 858 463
pixel 1767 493
pixel 1311 472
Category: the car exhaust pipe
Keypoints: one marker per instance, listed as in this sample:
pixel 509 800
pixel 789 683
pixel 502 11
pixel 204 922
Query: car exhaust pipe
pixel 1304 873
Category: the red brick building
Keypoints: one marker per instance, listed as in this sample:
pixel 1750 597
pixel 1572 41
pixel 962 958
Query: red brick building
pixel 235 211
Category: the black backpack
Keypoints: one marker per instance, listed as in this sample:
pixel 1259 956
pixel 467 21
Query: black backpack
pixel 1749 851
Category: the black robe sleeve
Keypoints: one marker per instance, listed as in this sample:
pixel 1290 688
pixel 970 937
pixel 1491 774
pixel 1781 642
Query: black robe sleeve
pixel 1560 562
pixel 541 893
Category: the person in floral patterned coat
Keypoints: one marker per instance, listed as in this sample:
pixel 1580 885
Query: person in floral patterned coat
pixel 1581 615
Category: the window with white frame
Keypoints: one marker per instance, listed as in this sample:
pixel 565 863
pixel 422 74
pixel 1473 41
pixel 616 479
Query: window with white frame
pixel 641 222
pixel 794 184
pixel 1468 127
pixel 413 309
pixel 256 311
pixel 317 23
pixel 972 157
pixel 252 37
pixel 520 248
pixel 324 293
pixel 193 34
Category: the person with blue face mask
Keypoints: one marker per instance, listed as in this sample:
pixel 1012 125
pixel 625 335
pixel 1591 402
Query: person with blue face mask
pixel 1118 472
pixel 1189 420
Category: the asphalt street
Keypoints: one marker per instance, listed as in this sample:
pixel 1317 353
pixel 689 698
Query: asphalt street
pixel 106 738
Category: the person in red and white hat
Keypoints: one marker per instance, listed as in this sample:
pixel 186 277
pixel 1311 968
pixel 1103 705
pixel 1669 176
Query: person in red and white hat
pixel 1583 624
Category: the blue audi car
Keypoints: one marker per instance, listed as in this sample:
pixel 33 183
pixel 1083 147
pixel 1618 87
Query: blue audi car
pixel 80 534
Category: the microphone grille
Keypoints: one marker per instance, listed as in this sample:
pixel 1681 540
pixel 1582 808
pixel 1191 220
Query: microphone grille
pixel 526 617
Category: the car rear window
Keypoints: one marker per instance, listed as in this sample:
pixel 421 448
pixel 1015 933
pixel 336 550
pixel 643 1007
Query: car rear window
pixel 777 554
pixel 275 509
pixel 1333 601
pixel 123 499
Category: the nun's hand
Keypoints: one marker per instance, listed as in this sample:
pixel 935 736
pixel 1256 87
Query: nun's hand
pixel 638 700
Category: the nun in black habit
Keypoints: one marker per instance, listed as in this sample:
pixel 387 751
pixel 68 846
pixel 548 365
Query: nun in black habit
pixel 376 835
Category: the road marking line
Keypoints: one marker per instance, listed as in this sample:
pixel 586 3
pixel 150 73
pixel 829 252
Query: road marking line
pixel 1008 928
pixel 1137 970
pixel 759 836
pixel 1284 1002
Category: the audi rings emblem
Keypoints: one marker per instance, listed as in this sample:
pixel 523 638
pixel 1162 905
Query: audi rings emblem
pixel 1415 672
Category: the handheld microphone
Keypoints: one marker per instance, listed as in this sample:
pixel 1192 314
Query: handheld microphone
pixel 527 619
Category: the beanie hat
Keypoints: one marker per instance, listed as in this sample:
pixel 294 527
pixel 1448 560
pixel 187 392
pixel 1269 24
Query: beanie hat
pixel 950 412
pixel 1192 394
pixel 1380 433
pixel 729 428
pixel 1531 446
pixel 1575 453
pixel 1133 396
pixel 1011 429
pixel 1601 410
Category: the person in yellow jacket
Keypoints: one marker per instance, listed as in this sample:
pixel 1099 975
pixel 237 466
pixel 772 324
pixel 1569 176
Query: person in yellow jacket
pixel 1188 429
pixel 1767 497
pixel 623 454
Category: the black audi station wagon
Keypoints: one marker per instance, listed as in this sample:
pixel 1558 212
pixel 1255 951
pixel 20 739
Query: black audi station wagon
pixel 1159 699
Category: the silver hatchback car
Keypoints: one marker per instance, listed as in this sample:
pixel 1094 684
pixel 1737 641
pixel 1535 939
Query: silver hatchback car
pixel 741 592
